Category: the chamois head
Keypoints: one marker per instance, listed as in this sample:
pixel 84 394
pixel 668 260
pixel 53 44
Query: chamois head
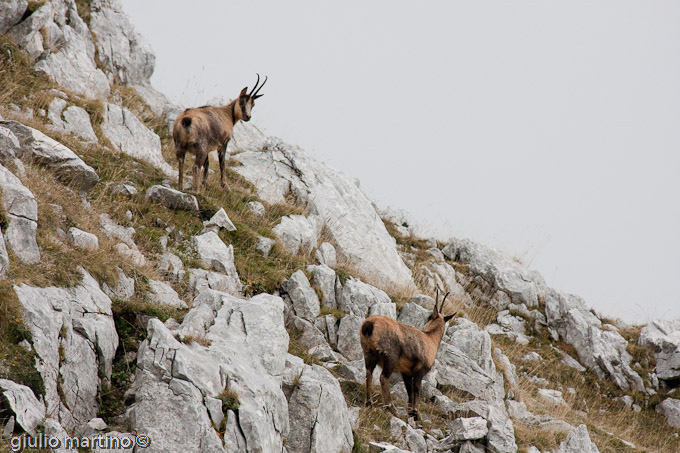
pixel 437 317
pixel 246 101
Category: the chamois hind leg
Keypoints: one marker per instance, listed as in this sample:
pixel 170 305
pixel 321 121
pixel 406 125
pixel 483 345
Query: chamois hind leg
pixel 221 154
pixel 180 153
pixel 206 166
pixel 388 366
pixel 371 360
pixel 201 156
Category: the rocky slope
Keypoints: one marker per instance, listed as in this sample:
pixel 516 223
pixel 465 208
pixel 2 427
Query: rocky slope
pixel 228 320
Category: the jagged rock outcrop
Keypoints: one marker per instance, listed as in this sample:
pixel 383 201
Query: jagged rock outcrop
pixel 214 254
pixel 128 135
pixel 602 351
pixel 670 408
pixel 501 272
pixel 28 410
pixel 578 441
pixel 352 222
pixel 45 151
pixel 75 340
pixel 299 234
pixel 21 210
pixel 464 361
pixel 61 45
pixel 302 296
pixel 663 337
pixel 122 51
pixel 317 408
pixel 71 119
pixel 11 12
pixel 171 198
pixel 358 297
pixel 246 355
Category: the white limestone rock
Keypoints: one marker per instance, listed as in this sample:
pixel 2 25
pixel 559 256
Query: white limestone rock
pixel 468 428
pixel 171 266
pixel 60 44
pixel 49 153
pixel 126 55
pixel 256 208
pixel 201 280
pixel 124 288
pixel 21 210
pixel 75 340
pixel 71 120
pixel 163 294
pixel 316 408
pixel 553 397
pixel 264 245
pixel 82 239
pixel 601 351
pixel 298 234
pixel 670 408
pixel 247 354
pixel 323 277
pixel 171 198
pixel 128 135
pixel 29 411
pixel 348 337
pixel 215 254
pixel 326 255
pixel 11 12
pixel 578 441
pixel 356 229
pixel 219 221
pixel 504 273
pixel 302 296
pixel 414 315
pixel 383 309
pixel 358 297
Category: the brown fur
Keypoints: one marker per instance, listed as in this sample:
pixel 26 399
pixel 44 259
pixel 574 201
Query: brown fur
pixel 200 130
pixel 403 349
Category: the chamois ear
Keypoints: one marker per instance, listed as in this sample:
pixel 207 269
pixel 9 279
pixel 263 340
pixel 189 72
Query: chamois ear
pixel 450 317
pixel 257 96
pixel 244 92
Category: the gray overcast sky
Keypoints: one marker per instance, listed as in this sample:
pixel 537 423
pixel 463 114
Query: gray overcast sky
pixel 549 130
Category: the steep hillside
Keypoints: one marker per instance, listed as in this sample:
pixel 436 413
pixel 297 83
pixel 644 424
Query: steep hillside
pixel 228 320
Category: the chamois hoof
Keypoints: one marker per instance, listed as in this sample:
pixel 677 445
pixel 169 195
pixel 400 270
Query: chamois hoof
pixel 391 409
pixel 414 414
pixel 368 403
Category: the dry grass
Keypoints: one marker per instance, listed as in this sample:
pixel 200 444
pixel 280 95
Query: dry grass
pixel 593 404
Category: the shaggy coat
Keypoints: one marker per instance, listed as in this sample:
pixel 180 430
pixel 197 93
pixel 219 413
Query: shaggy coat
pixel 200 130
pixel 403 349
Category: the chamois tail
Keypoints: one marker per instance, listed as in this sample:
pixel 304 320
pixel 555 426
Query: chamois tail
pixel 367 329
pixel 186 122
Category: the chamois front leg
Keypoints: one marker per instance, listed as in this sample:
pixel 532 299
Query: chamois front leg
pixel 371 361
pixel 206 166
pixel 180 168
pixel 201 156
pixel 417 381
pixel 222 155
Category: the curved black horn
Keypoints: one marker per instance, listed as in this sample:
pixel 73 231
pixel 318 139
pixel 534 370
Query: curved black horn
pixel 258 90
pixel 254 86
pixel 444 299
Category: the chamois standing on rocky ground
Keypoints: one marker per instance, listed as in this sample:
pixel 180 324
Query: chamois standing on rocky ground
pixel 399 348
pixel 203 129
